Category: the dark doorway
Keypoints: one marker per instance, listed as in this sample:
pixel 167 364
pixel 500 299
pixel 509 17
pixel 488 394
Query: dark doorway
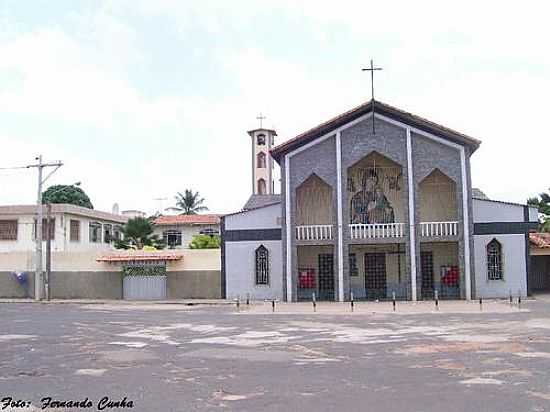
pixel 375 275
pixel 427 269
pixel 326 276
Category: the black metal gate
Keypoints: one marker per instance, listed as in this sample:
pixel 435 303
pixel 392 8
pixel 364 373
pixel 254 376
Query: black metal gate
pixel 375 275
pixel 326 276
pixel 427 269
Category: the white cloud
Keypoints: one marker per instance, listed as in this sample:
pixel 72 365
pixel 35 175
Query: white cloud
pixel 475 67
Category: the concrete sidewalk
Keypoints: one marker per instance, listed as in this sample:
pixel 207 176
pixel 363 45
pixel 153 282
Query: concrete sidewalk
pixel 403 308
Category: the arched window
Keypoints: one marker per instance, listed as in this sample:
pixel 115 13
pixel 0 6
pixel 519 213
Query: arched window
pixel 261 139
pixel 260 160
pixel 261 187
pixel 262 266
pixel 494 260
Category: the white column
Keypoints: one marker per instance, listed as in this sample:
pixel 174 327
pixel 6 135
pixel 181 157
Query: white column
pixel 288 232
pixel 412 237
pixel 465 215
pixel 339 206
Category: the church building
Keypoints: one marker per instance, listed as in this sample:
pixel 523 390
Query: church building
pixel 374 203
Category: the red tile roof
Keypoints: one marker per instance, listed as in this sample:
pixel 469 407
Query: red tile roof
pixel 139 255
pixel 540 240
pixel 188 220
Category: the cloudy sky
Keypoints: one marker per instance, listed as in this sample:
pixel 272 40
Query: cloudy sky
pixel 141 99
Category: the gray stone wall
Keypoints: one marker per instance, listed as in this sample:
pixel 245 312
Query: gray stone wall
pixel 357 142
pixel 194 284
pixel 10 288
pixel 86 285
pixel 429 155
pixel 185 284
pixel 319 159
pixel 390 141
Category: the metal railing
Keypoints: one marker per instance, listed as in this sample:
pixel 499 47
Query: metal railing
pixel 437 229
pixel 314 232
pixel 376 230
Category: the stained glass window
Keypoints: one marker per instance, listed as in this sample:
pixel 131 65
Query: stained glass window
pixel 494 260
pixel 262 266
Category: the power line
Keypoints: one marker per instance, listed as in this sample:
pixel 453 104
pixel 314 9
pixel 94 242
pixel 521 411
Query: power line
pixel 14 167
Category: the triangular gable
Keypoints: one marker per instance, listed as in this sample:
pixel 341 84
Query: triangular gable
pixel 380 109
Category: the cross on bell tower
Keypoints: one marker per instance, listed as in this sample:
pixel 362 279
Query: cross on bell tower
pixel 263 140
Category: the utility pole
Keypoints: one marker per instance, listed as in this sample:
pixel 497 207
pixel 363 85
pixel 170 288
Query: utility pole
pixel 38 276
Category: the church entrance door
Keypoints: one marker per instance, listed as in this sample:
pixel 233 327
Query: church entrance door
pixel 427 268
pixel 375 275
pixel 326 276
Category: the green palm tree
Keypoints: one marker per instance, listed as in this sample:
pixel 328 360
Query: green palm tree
pixel 190 203
pixel 138 232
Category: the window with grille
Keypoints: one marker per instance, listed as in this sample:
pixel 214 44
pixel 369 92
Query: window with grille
pixel 172 238
pixel 353 271
pixel 75 230
pixel 107 233
pixel 262 266
pixel 209 231
pixel 8 229
pixel 44 229
pixel 494 260
pixel 95 232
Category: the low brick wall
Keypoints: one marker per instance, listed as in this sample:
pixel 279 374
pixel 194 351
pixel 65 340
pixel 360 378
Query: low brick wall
pixel 80 276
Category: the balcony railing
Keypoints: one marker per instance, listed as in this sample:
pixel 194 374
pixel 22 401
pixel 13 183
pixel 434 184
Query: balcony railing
pixel 376 230
pixel 438 229
pixel 314 232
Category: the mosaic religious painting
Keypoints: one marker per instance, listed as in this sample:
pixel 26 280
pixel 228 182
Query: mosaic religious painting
pixel 369 190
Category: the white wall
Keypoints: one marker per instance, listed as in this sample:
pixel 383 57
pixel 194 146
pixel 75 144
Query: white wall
pixel 533 214
pixel 488 211
pixel 240 270
pixel 514 270
pixel 261 218
pixel 86 261
pixel 61 242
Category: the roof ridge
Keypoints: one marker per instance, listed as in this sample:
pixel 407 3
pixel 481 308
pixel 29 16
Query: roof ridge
pixel 365 108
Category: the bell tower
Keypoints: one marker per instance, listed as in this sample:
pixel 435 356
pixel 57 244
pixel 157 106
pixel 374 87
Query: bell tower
pixel 262 163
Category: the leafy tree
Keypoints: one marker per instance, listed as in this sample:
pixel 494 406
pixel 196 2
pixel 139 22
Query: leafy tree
pixel 138 234
pixel 205 242
pixel 190 203
pixel 70 194
pixel 542 202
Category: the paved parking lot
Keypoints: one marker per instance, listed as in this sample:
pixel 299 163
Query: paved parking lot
pixel 181 358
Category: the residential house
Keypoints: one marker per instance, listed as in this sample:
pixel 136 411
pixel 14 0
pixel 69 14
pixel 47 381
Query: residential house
pixel 73 228
pixel 178 230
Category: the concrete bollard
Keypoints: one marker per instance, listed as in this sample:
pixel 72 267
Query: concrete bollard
pixel 393 300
